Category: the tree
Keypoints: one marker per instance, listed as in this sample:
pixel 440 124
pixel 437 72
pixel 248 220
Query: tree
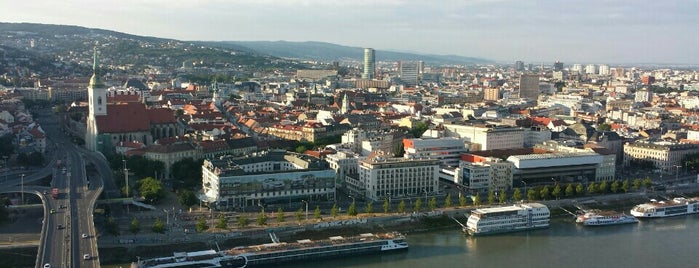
pixel 625 186
pixel 418 205
pixel 300 149
pixel 557 191
pixel 135 226
pixel 6 148
pixel 222 222
pixel 187 198
pixel 419 128
pixel 401 206
pixel 636 184
pixel 517 195
pixel 604 127
pixel 369 207
pixel 477 199
pixel 432 203
pixel 592 188
pixel 570 191
pixel 262 218
pixel 386 206
pixel 603 187
pixel 334 211
pixel 647 183
pixel 151 189
pixel 579 189
pixel 201 225
pixel 615 187
pixel 299 214
pixel 503 196
pixel 316 213
pixel 243 220
pixel 531 195
pixel 544 193
pixel 491 197
pixel 186 174
pixel 112 227
pixel 352 210
pixel 447 201
pixel 158 226
pixel 462 201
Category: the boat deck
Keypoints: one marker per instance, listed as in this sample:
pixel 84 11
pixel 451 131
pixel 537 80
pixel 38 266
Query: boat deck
pixel 307 243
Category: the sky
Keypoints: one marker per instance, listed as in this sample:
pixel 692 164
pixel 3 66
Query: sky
pixel 534 31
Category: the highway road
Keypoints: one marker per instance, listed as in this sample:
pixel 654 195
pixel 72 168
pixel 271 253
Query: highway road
pixel 62 243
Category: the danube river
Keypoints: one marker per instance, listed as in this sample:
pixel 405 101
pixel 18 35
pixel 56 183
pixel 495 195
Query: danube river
pixel 668 242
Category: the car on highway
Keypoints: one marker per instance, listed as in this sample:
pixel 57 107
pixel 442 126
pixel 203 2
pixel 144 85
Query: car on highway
pixel 52 211
pixel 84 236
pixel 47 265
pixel 60 226
pixel 86 257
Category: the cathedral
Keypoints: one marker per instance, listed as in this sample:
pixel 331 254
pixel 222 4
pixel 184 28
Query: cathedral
pixel 110 122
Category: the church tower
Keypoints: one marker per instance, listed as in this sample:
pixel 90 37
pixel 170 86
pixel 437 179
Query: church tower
pixel 345 104
pixel 97 101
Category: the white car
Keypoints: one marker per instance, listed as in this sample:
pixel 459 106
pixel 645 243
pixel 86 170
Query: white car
pixel 86 257
pixel 84 236
pixel 47 265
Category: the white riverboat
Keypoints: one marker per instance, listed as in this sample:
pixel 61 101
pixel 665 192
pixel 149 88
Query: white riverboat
pixel 282 252
pixel 659 209
pixel 601 218
pixel 518 217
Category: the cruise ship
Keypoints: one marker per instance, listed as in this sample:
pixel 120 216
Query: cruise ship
pixel 601 218
pixel 282 252
pixel 658 209
pixel 518 217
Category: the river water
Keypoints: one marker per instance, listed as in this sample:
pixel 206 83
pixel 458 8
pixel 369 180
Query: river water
pixel 667 242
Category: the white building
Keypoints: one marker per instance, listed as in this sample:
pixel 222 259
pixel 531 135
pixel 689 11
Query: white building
pixel 398 177
pixel 447 150
pixel 487 137
pixel 267 177
pixel 474 176
pixel 591 69
pixel 604 70
pixel 664 155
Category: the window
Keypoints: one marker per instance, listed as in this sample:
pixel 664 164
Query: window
pixel 99 100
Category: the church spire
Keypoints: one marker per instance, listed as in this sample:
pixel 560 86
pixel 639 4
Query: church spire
pixel 95 80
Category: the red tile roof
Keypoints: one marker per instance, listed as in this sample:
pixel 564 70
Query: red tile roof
pixel 124 117
pixel 161 116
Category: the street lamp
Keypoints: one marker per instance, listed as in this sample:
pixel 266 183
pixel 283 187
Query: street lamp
pixel 306 208
pixel 525 187
pixel 126 177
pixel 22 178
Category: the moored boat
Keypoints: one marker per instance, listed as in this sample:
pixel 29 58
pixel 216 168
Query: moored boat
pixel 282 252
pixel 518 217
pixel 601 218
pixel 659 209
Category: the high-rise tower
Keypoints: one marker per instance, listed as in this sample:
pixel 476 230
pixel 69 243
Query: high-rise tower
pixel 97 101
pixel 369 64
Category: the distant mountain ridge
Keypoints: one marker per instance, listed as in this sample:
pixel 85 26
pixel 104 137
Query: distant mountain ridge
pixel 322 51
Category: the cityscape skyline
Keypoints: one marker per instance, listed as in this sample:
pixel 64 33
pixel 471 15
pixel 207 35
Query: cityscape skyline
pixel 595 31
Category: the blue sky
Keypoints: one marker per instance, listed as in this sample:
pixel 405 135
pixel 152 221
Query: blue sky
pixel 573 31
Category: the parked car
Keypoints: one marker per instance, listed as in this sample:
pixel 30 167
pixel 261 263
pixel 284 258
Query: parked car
pixel 86 257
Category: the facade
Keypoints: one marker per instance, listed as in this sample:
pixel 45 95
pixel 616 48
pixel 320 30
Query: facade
pixel 266 177
pixel 529 86
pixel 664 156
pixel 343 162
pixel 643 96
pixel 561 167
pixel 409 71
pixel 382 177
pixel 369 64
pixel 491 94
pixel 474 176
pixel 447 150
pixel 487 137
